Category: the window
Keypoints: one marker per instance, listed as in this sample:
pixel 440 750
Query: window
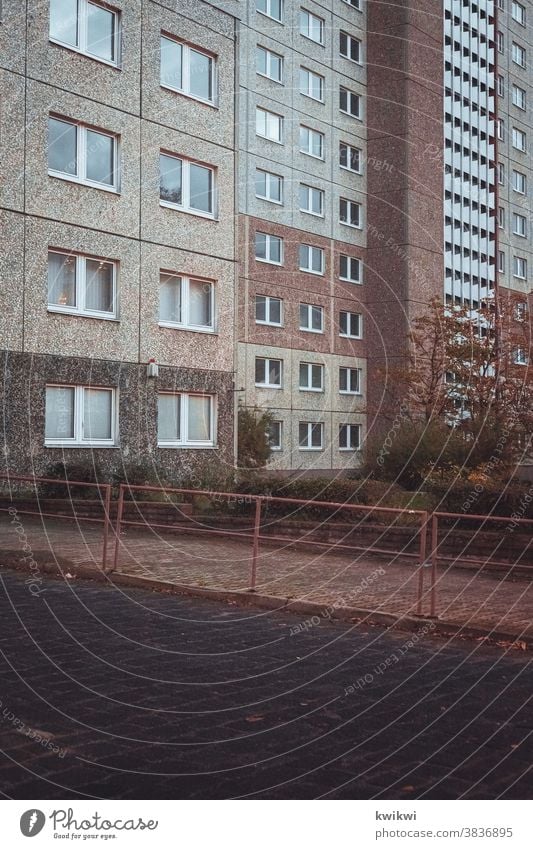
pixel 518 12
pixel 349 47
pixel 80 416
pixel 519 225
pixel 91 28
pixel 268 373
pixel 311 26
pixel 310 436
pixel 311 259
pixel 275 435
pixel 355 3
pixel 268 125
pixel 78 153
pixel 350 212
pixel 519 182
pixel 519 96
pixel 519 139
pixel 501 217
pixel 351 324
pixel 187 69
pixel 520 312
pixel 350 269
pixel 311 318
pixel 501 85
pixel 311 200
pixel 349 102
pixel 268 310
pixel 81 285
pixel 500 125
pixel 268 186
pixel 349 437
pixel 311 84
pixel 311 377
pixel 271 8
pixel 269 248
pixel 188 186
pixel 501 262
pixel 501 173
pixel 520 357
pixel 500 41
pixel 312 142
pixel 349 381
pixel 269 64
pixel 519 55
pixel 186 302
pixel 520 267
pixel 350 157
pixel 185 419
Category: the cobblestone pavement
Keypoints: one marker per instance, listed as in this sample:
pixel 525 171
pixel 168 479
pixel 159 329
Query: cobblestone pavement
pixel 465 596
pixel 114 693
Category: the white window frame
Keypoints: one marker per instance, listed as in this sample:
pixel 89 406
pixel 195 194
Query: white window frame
pixel 267 384
pixel 350 260
pixel 349 203
pixel 520 357
pixel 186 70
pixel 308 269
pixel 518 13
pixel 500 41
pixel 278 139
pixel 268 11
pixel 308 368
pixel 186 187
pixel 269 55
pixel 501 217
pixel 349 149
pixel 308 309
pixel 81 156
pixel 268 320
pixel 80 287
pixel 519 55
pixel 520 267
pixel 500 129
pixel 355 4
pixel 308 152
pixel 349 95
pixel 309 446
pixel 519 97
pixel 306 30
pixel 519 140
pixel 268 243
pixel 349 383
pixel 269 177
pixel 350 40
pixel 519 225
pixel 307 90
pixel 358 320
pixel 276 446
pixel 349 426
pixel 519 179
pixel 311 191
pixel 184 441
pixel 186 280
pixel 82 29
pixel 78 441
pixel 501 85
pixel 501 262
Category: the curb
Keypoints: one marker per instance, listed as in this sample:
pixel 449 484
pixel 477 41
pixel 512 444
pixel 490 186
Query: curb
pixel 279 603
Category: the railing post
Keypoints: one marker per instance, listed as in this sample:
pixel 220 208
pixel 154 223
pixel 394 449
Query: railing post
pixel 107 521
pixel 434 559
pixel 421 562
pixel 255 551
pixel 120 508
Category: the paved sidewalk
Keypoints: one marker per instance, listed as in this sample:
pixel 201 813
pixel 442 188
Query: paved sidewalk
pixel 465 596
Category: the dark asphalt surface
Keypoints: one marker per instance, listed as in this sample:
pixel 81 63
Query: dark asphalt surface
pixel 154 696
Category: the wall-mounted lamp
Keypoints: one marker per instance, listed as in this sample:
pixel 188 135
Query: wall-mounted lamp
pixel 152 369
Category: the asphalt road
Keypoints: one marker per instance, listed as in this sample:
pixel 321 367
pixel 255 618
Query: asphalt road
pixel 115 693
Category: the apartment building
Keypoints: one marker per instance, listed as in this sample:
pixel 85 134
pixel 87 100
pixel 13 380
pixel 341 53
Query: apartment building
pixel 117 206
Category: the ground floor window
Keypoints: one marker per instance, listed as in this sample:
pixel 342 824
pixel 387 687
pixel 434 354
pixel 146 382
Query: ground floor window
pixel 275 434
pixel 349 437
pixel 80 415
pixel 185 418
pixel 311 436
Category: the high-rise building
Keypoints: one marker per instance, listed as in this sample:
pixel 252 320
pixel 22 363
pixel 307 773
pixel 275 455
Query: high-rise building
pixel 258 196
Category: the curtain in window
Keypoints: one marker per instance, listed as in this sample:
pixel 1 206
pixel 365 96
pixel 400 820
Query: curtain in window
pixel 168 418
pixel 199 418
pixel 97 416
pixel 99 281
pixel 170 298
pixel 59 416
pixel 62 280
pixel 200 304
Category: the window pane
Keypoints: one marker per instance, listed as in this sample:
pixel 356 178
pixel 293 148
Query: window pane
pixel 274 372
pixel 97 414
pixel 199 418
pixel 62 146
pixel 302 434
pixel 201 75
pixel 168 418
pixel 304 321
pixel 275 187
pixel 99 285
pixel 59 412
pixel 100 158
pixel 304 379
pixel 260 370
pixel 316 318
pixel 64 21
pixel 304 261
pixel 260 308
pixel 316 435
pixel 316 377
pixel 200 303
pixel 170 298
pixel 171 63
pixel 171 179
pixel 275 310
pixel 260 245
pixel 62 280
pixel 101 32
pixel 275 249
pixel 343 379
pixel 201 188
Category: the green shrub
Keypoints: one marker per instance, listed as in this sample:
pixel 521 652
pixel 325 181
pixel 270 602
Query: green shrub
pixel 64 471
pixel 500 498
